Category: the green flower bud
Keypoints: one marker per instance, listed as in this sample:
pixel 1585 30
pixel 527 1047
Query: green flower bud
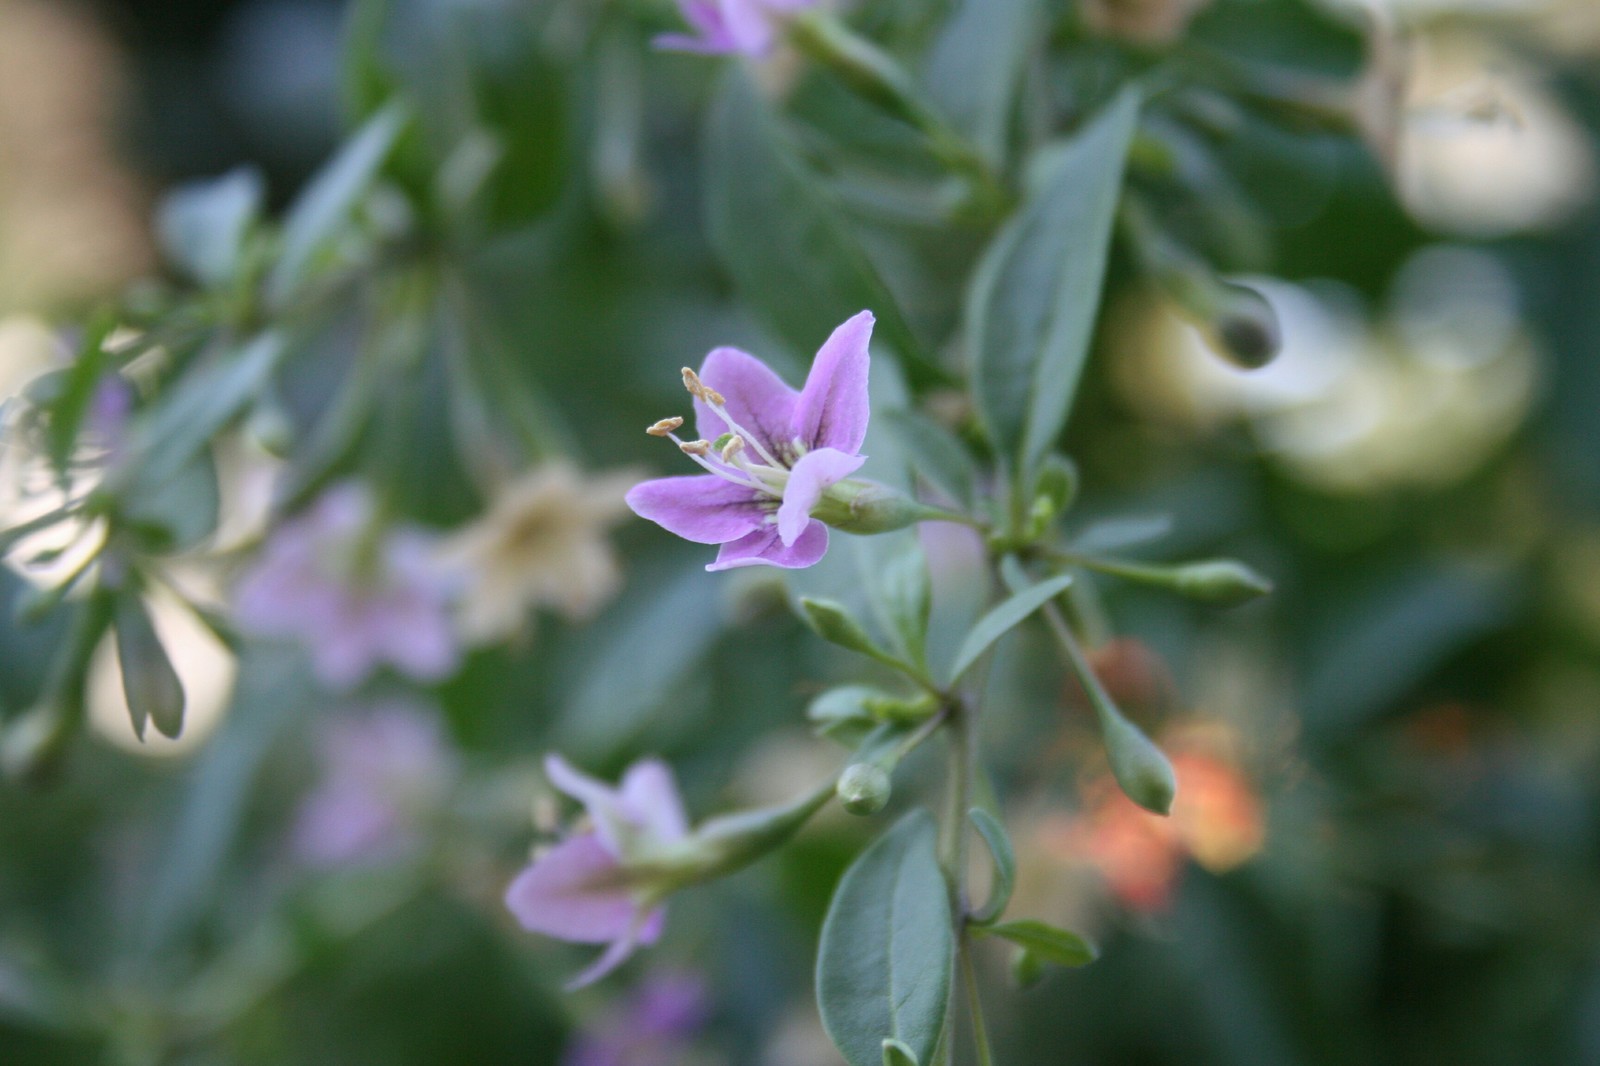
pixel 865 507
pixel 1224 582
pixel 864 788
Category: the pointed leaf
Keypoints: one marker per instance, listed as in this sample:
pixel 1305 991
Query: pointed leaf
pixel 202 224
pixel 782 237
pixel 1045 941
pixel 1002 619
pixel 884 965
pixel 976 66
pixel 1035 296
pixel 897 1054
pixel 149 682
pixel 1005 866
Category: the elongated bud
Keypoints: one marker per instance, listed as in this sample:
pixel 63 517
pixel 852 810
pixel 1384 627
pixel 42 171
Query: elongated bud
pixel 723 845
pixel 836 625
pixel 1140 768
pixel 864 788
pixel 1224 582
pixel 865 507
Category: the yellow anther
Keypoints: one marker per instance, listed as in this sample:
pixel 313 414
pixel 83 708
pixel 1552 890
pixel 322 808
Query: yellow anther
pixel 695 447
pixel 664 427
pixel 712 396
pixel 691 381
pixel 734 446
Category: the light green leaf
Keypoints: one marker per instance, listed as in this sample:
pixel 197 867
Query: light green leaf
pixel 1002 619
pixel 785 243
pixel 835 624
pixel 935 454
pixel 883 968
pixel 1044 941
pixel 316 217
pixel 1032 307
pixel 202 224
pixel 1005 866
pixel 897 1054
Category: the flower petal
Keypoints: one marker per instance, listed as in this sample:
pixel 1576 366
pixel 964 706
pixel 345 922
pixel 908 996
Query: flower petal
pixel 644 930
pixel 808 480
pixel 649 796
pixel 705 509
pixel 757 399
pixel 612 821
pixel 749 25
pixel 565 894
pixel 765 548
pixel 832 409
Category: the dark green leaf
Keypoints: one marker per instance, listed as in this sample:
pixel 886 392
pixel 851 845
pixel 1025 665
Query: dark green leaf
pixel 884 964
pixel 1003 618
pixel 1032 307
pixel 782 237
pixel 149 682
pixel 1005 866
pixel 837 625
pixel 977 64
pixel 897 1054
pixel 316 219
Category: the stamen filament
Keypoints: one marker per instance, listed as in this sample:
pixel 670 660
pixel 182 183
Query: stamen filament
pixel 720 471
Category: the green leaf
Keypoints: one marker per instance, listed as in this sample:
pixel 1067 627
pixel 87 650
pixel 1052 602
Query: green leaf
pixel 905 596
pixel 71 395
pixel 935 454
pixel 151 685
pixel 1032 307
pixel 897 1054
pixel 1005 866
pixel 202 224
pixel 177 513
pixel 163 444
pixel 1002 619
pixel 784 242
pixel 1044 941
pixel 976 65
pixel 315 220
pixel 884 964
pixel 835 624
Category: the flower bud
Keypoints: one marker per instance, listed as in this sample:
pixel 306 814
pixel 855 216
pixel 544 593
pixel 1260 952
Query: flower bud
pixel 1224 582
pixel 1141 769
pixel 865 507
pixel 1245 327
pixel 864 788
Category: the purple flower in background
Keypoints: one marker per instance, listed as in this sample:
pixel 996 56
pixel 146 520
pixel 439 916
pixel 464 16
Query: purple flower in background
pixel 654 1026
pixel 578 890
pixel 383 772
pixel 772 453
pixel 354 593
pixel 725 27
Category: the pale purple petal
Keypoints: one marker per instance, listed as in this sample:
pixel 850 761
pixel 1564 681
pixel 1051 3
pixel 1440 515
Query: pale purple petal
pixel 615 954
pixel 649 795
pixel 343 656
pixel 705 509
pixel 565 894
pixel 809 479
pixel 756 397
pixel 832 409
pixel 765 548
pixel 602 802
pixel 683 42
pixel 415 636
pixel 749 24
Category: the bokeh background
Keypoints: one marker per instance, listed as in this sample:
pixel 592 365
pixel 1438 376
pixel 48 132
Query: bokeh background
pixel 1389 845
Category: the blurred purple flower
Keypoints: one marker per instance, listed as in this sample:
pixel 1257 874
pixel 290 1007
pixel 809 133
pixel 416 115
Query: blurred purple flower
pixel 354 593
pixel 725 27
pixel 577 890
pixel 653 1027
pixel 776 452
pixel 382 773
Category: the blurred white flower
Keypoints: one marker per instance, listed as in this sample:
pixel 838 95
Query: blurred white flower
pixel 1421 397
pixel 541 543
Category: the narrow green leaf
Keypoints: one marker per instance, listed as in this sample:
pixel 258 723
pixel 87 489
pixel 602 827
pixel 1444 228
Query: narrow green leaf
pixel 202 224
pixel 316 217
pixel 906 595
pixel 884 965
pixel 934 453
pixel 835 624
pixel 1032 307
pixel 74 396
pixel 781 236
pixel 1002 619
pixel 1005 866
pixel 976 65
pixel 1044 941
pixel 151 685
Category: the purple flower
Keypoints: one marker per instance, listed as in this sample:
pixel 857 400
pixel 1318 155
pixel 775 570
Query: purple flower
pixel 578 890
pixel 356 594
pixel 772 453
pixel 724 27
pixel 382 773
pixel 653 1027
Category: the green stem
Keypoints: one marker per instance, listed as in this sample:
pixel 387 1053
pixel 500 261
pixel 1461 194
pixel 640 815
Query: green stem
pixel 980 1028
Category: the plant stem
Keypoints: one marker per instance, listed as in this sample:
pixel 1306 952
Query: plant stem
pixel 969 977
